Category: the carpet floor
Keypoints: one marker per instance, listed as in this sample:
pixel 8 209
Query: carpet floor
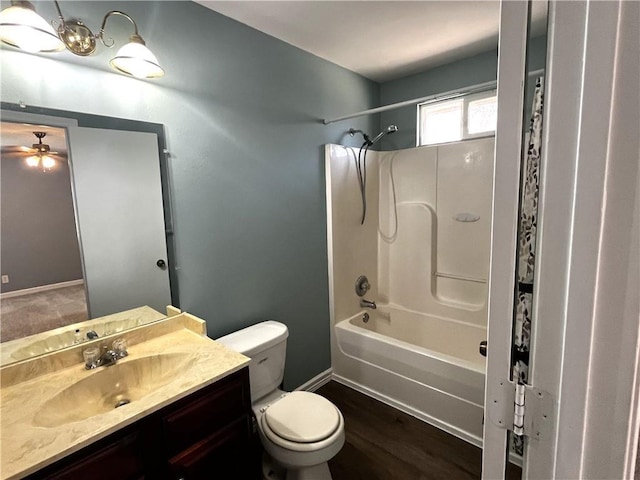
pixel 38 312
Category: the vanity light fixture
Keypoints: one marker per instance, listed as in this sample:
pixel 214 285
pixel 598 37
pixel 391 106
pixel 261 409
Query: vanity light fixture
pixel 22 27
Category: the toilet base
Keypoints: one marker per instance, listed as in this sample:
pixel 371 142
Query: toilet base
pixel 271 470
pixel 317 472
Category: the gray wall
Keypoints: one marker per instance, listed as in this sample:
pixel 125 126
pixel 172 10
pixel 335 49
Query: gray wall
pixel 463 73
pixel 242 113
pixel 39 244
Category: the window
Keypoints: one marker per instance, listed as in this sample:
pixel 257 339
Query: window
pixel 441 122
pixel 465 117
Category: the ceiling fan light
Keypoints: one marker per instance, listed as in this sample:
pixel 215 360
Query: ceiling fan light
pixel 48 162
pixel 22 27
pixel 33 161
pixel 137 60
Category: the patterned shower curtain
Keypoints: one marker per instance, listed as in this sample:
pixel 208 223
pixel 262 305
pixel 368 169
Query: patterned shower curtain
pixel 527 249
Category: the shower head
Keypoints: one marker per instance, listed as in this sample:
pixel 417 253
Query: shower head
pixel 352 132
pixel 389 130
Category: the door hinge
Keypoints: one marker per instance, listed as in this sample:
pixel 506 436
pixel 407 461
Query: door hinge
pixel 523 409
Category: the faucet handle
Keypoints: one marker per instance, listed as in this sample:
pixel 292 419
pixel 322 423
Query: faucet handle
pixel 91 357
pixel 119 347
pixel 362 285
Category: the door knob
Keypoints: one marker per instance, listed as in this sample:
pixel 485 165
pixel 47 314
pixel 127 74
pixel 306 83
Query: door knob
pixel 483 348
pixel 161 263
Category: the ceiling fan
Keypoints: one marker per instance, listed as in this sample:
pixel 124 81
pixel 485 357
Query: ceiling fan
pixel 38 155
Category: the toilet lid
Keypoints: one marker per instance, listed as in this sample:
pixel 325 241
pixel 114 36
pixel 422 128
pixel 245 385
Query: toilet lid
pixel 303 417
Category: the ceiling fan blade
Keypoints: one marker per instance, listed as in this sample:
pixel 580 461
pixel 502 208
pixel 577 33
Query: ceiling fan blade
pixel 11 152
pixel 17 149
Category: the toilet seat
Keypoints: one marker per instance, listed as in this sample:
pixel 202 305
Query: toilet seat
pixel 302 421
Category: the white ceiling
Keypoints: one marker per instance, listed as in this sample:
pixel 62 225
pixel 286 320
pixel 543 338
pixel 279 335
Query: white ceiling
pixel 21 135
pixel 381 40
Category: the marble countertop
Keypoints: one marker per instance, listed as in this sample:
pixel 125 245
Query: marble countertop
pixel 29 385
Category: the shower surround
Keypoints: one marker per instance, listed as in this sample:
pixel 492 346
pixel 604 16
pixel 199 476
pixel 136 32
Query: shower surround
pixel 424 246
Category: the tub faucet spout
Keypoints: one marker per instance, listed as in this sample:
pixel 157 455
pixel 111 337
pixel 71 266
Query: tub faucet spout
pixel 367 304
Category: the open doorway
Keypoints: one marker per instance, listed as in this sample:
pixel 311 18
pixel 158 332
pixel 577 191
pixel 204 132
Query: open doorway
pixel 42 279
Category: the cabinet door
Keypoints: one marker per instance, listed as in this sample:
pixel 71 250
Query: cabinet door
pixel 120 459
pixel 214 408
pixel 228 453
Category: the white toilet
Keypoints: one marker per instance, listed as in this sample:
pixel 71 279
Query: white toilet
pixel 301 431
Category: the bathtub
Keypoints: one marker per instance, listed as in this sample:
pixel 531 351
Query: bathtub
pixel 424 365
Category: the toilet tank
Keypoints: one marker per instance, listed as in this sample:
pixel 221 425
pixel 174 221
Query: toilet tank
pixel 265 344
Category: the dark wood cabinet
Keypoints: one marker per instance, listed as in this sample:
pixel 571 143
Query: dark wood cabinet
pixel 207 435
pixel 219 455
pixel 121 458
pixel 200 417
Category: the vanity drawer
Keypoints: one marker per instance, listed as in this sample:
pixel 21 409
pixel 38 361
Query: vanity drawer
pixel 213 408
pixel 120 458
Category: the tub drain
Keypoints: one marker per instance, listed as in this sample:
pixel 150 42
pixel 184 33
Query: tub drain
pixel 122 402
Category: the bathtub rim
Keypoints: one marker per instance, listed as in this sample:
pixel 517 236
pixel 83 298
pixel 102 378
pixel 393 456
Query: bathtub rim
pixel 346 324
pixel 383 306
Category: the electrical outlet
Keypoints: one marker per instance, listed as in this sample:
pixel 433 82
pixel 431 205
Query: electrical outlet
pixel 5 278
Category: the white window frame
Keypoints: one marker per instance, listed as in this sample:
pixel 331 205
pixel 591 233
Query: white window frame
pixel 466 98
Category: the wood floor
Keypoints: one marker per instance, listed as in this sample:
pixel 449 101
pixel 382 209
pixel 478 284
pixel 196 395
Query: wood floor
pixel 383 443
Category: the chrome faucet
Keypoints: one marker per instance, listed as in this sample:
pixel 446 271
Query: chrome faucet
pixel 93 358
pixel 367 304
pixel 108 357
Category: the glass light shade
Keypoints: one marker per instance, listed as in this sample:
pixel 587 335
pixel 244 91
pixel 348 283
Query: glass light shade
pixel 48 162
pixel 22 27
pixel 33 161
pixel 136 59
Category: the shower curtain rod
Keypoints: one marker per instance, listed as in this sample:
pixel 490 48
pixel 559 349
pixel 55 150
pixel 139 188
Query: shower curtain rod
pixel 429 98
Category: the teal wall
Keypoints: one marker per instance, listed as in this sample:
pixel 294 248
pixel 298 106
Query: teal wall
pixel 463 73
pixel 242 114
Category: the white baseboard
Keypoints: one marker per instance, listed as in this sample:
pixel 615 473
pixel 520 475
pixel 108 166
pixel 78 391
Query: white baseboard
pixel 317 381
pixel 42 288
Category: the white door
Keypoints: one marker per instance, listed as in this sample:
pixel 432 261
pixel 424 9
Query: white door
pixel 509 134
pixel 117 188
pixel 585 333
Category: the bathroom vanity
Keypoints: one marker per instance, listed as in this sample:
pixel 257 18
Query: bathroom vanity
pixel 206 433
pixel 187 415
